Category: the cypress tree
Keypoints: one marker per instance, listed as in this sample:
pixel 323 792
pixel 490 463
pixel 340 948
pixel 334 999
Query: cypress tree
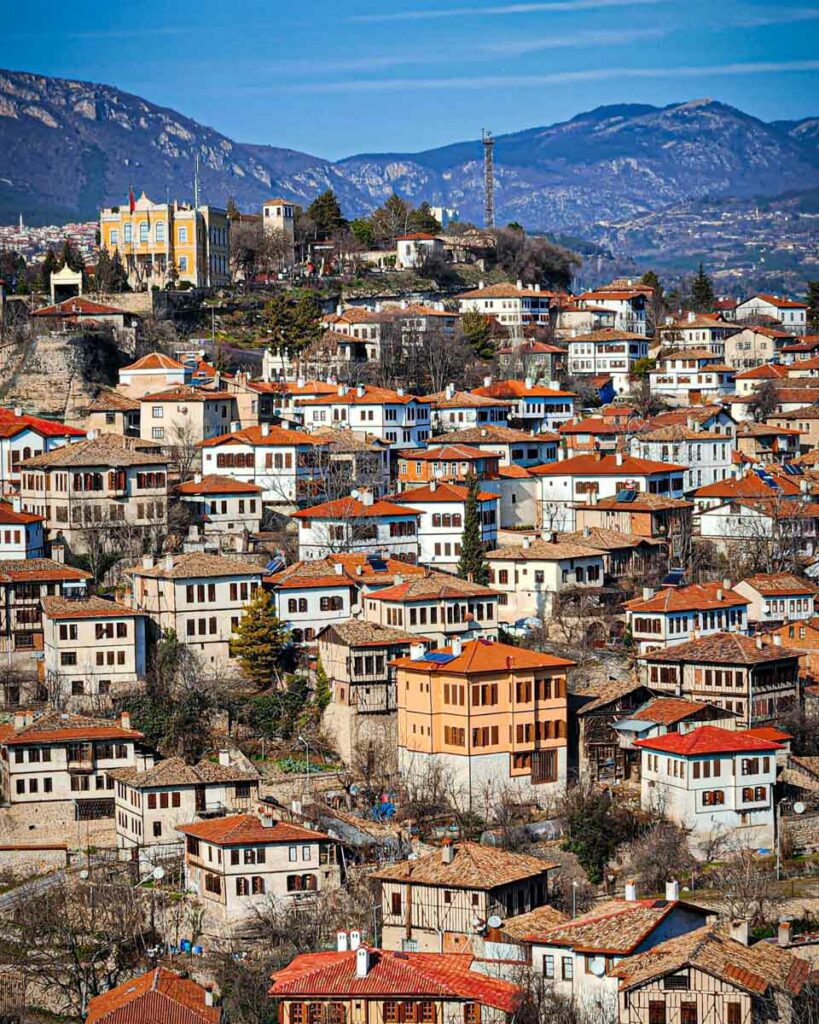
pixel 472 562
pixel 322 695
pixel 259 641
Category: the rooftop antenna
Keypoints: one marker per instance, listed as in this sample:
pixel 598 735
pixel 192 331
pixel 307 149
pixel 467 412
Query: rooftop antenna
pixel 488 178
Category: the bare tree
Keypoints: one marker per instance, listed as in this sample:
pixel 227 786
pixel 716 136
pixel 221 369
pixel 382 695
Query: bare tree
pixel 658 855
pixel 185 449
pixel 747 886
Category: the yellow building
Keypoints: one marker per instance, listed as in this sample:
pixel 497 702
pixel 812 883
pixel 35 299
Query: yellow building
pixel 168 242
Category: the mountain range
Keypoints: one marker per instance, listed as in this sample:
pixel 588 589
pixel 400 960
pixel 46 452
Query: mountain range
pixel 69 147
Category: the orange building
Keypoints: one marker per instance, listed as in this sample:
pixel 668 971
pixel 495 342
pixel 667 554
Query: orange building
pixel 451 463
pixel 488 714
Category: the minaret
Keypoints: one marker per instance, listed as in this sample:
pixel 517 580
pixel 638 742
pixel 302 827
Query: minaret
pixel 21 222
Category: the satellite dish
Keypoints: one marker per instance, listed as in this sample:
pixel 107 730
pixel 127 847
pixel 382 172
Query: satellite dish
pixel 84 875
pixel 798 807
pixel 158 873
pixel 495 921
pixel 597 965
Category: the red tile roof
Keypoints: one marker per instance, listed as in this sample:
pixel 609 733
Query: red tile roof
pixel 778 584
pixel 708 739
pixel 354 508
pixel 12 424
pixel 371 396
pixel 775 300
pixel 696 596
pixel 518 389
pixel 78 306
pixel 217 484
pixel 154 361
pixel 158 997
pixel 481 656
pixel 669 710
pixel 188 393
pixel 394 975
pixel 598 464
pixel 432 586
pixel 61 727
pixel 8 517
pixel 768 371
pixel 262 436
pixel 441 491
pixel 246 830
pixel 39 570
pixel 449 453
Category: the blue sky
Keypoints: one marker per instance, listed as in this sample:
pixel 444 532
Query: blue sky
pixel 336 78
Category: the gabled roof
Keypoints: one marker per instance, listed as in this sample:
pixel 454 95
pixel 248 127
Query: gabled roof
pixel 748 486
pixel 778 584
pixel 354 508
pixel 8 517
pixel 111 400
pixel 492 434
pixel 174 771
pixel 775 300
pixel 505 290
pixel 694 597
pixel 247 830
pixel 361 633
pixel 394 975
pixel 197 564
pixel 481 657
pixel 449 453
pixel 441 491
pixel 109 450
pixel 370 395
pixel 767 371
pixel 11 424
pixel 598 464
pixel 154 361
pixel 606 334
pixel 430 586
pixel 39 570
pixel 188 393
pixel 79 306
pixel 722 649
pixel 215 483
pixel 643 502
pixel 62 727
pixel 157 997
pixel 472 867
pixel 90 607
pixel 263 436
pixel 670 710
pixel 417 236
pixel 544 551
pixel 462 400
pixel 518 389
pixel 708 739
pixel 752 968
pixel 617 927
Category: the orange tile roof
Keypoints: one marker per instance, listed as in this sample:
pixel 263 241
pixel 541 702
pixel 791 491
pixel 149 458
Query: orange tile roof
pixel 708 739
pixel 598 464
pixel 371 396
pixel 694 597
pixel 394 975
pixel 748 486
pixel 440 490
pixel 261 437
pixel 430 586
pixel 11 424
pixel 669 710
pixel 606 334
pixel 768 371
pixel 416 236
pixel 246 830
pixel 462 400
pixel 39 570
pixel 8 517
pixel 188 393
pixel 483 656
pixel 449 453
pixel 518 389
pixel 775 300
pixel 78 305
pixel 492 434
pixel 154 361
pixel 617 927
pixel 91 607
pixel 158 997
pixel 215 483
pixel 505 290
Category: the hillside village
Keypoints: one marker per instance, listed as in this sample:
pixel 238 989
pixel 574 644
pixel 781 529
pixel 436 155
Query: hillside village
pixel 392 632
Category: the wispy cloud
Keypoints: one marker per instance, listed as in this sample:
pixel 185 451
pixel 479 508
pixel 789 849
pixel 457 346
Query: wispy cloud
pixel 556 77
pixel 130 33
pixel 593 37
pixel 778 16
pixel 426 14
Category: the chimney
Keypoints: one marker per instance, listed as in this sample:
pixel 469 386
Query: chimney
pixel 777 639
pixel 528 383
pixel 147 561
pixel 22 719
pixel 487 382
pixel 18 412
pixel 719 593
pixel 527 542
pixel 484 432
pixel 366 497
pixel 416 652
pixel 759 643
pixel 648 593
pixel 341 942
pixel 457 647
pixel 235 426
pixel 224 758
pixel 197 478
pixel 360 391
pixel 537 287
pixel 17 503
pixel 208 996
pixel 672 890
pixel 362 962
pixel 519 285
pixel 726 583
pixel 125 720
pixel 355 938
pixel 342 390
pixel 481 285
pixel 450 391
pixel 399 392
pixel 168 563
pixel 265 428
pixel 339 569
pixel 397 579
pixel 691 316
pixel 618 458
pixel 587 531
pixel 691 423
pixel 631 891
pixel 300 382
pixel 741 932
pixel 433 486
pixel 339 309
pixel 784 934
pixel 447 851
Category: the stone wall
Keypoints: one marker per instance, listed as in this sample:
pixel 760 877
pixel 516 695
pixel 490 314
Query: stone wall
pixel 347 729
pixel 51 822
pixel 21 861
pixel 802 831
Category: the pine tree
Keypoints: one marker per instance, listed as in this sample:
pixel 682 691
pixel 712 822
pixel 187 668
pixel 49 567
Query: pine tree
pixel 702 292
pixel 325 213
pixel 478 333
pixel 423 219
pixel 812 299
pixel 259 641
pixel 293 323
pixel 472 563
pixel 322 694
pixel 48 267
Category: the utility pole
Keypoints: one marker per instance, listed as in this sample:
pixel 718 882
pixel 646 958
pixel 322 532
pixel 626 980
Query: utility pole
pixel 488 178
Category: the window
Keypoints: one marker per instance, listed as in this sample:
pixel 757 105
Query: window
pixel 734 1013
pixel 548 966
pixel 157 828
pixel 688 1013
pixel 395 904
pixel 159 231
pixel 183 260
pixel 568 968
pixel 676 982
pixel 472 1013
pixel 242 887
pixel 143 231
pixel 183 237
pixel 656 1012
